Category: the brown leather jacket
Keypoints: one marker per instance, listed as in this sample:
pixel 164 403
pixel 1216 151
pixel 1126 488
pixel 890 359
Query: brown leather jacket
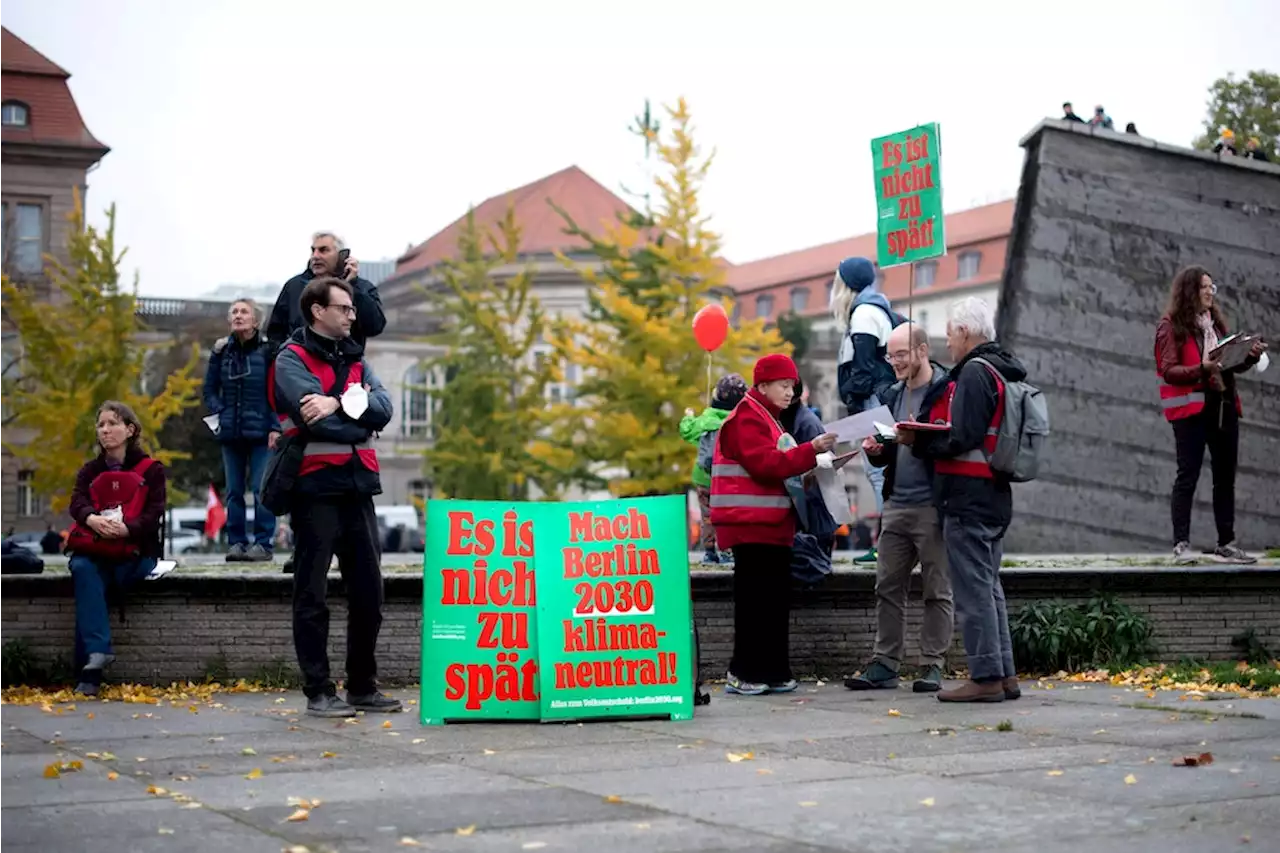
pixel 1170 367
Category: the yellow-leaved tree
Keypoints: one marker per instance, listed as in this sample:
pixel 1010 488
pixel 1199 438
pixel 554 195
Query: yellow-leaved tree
pixel 642 368
pixel 78 350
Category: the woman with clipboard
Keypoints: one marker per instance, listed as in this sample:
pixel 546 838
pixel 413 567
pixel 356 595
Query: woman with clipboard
pixel 1199 399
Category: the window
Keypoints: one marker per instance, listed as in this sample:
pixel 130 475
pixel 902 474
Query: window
pixel 420 404
pixel 969 264
pixel 764 307
pixel 15 114
pixel 27 237
pixel 926 272
pixel 924 320
pixel 799 300
pixel 28 500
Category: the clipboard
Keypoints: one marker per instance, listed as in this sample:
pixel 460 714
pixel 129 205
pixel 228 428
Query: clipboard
pixel 1234 350
pixel 920 426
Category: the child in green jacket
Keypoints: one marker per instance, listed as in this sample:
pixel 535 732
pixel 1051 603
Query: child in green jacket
pixel 701 430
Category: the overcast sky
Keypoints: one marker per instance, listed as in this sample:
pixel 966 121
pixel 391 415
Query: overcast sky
pixel 238 128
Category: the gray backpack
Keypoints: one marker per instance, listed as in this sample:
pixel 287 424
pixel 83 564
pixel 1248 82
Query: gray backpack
pixel 1024 429
pixel 707 449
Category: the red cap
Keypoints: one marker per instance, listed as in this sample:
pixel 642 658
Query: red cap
pixel 774 366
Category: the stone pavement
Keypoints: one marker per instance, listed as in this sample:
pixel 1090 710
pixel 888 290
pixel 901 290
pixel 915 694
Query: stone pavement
pixel 822 769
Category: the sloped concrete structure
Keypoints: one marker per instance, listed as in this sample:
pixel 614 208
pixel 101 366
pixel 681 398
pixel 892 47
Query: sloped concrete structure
pixel 1103 221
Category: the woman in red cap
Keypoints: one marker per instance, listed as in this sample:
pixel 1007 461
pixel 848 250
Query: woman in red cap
pixel 754 517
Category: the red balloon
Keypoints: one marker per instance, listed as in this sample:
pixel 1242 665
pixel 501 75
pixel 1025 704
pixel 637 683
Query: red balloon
pixel 710 327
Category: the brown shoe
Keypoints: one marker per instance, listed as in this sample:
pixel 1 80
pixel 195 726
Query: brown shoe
pixel 1011 689
pixel 972 691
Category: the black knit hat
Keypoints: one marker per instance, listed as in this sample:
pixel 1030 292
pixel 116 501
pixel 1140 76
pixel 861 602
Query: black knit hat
pixel 729 391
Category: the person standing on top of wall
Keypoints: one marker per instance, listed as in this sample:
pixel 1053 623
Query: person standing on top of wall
pixel 754 517
pixel 865 319
pixel 235 390
pixel 1200 401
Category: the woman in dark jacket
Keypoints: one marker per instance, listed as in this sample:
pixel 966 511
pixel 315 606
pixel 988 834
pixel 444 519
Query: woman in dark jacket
pixel 137 523
pixel 235 390
pixel 803 424
pixel 1200 401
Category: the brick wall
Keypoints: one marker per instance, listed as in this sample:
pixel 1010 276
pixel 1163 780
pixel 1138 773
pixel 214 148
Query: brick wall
pixel 174 629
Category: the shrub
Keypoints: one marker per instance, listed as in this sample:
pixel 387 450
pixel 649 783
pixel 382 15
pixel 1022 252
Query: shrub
pixel 1053 635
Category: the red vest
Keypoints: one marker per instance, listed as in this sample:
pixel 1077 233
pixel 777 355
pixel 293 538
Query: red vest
pixel 972 463
pixel 1186 401
pixel 737 499
pixel 321 454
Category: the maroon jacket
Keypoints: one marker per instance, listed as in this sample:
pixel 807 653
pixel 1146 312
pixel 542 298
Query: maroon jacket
pixel 1172 370
pixel 146 532
pixel 747 439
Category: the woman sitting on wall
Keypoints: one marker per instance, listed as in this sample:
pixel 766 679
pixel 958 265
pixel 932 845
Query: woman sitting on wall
pixel 1200 401
pixel 754 517
pixel 118 506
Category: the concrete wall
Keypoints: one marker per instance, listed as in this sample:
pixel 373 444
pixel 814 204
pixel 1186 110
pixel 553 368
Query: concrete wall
pixel 176 628
pixel 1103 222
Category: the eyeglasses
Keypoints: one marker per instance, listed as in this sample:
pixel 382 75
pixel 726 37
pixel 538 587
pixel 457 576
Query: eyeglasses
pixel 897 357
pixel 347 309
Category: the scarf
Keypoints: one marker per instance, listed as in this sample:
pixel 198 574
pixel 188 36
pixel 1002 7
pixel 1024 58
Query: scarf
pixel 1205 322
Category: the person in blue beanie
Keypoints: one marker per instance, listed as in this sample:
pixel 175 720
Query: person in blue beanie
pixel 865 318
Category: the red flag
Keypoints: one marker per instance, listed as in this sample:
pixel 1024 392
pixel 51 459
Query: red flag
pixel 215 514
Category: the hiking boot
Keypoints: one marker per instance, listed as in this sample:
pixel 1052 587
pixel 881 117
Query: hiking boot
pixel 86 688
pixel 237 553
pixel 329 705
pixel 1011 689
pixel 784 686
pixel 973 691
pixel 930 681
pixel 870 557
pixel 1183 555
pixel 711 557
pixel 376 702
pixel 98 660
pixel 1229 553
pixel 733 684
pixel 877 676
pixel 257 554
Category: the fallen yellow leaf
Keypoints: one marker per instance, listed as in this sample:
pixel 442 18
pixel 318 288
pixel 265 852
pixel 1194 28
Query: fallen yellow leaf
pixel 297 848
pixel 303 803
pixel 410 842
pixel 894 712
pixel 465 830
pixel 248 750
pixel 765 771
pixel 490 752
pixel 255 773
pixel 807 804
pixel 164 830
pixel 387 724
pixel 418 740
pixel 1131 779
pixel 89 716
pixel 113 776
pixel 735 757
pixel 280 701
pixel 94 755
pixel 533 845
pixel 298 815
pixel 107 756
pixel 927 801
pixel 613 798
pixel 328 755
pixel 640 825
pixel 51 772
pixel 1054 773
pixel 157 792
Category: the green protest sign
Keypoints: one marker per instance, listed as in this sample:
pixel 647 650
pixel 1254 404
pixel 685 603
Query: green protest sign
pixel 614 609
pixel 908 173
pixel 479 653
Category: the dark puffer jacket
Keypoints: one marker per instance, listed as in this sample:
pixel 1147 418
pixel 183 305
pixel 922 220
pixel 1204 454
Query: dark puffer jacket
pixel 235 389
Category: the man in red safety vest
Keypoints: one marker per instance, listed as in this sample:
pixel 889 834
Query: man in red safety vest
pixel 975 502
pixel 326 393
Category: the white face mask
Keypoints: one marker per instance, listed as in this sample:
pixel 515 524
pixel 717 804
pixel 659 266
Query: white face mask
pixel 355 401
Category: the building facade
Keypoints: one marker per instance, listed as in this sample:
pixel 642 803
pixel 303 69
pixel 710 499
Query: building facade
pixel 46 153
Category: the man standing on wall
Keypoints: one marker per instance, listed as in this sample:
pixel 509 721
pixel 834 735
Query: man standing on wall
pixel 329 257
pixel 865 319
pixel 975 501
pixel 328 396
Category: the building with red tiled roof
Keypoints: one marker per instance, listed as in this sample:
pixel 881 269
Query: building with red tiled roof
pixel 46 152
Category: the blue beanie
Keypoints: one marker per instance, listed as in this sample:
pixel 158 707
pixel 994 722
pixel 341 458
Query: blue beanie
pixel 856 274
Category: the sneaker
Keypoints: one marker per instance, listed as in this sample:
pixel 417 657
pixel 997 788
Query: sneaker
pixel 726 558
pixel 733 684
pixel 329 705
pixel 257 554
pixel 711 557
pixel 98 660
pixel 237 553
pixel 1183 555
pixel 972 691
pixel 1011 689
pixel 930 681
pixel 86 688
pixel 376 702
pixel 785 686
pixel 877 676
pixel 1229 553
pixel 870 557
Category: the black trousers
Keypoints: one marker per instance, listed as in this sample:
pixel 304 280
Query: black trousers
pixel 1218 429
pixel 761 613
pixel 348 527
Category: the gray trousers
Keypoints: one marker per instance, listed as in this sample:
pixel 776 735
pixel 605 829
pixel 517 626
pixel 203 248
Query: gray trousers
pixel 974 551
pixel 910 535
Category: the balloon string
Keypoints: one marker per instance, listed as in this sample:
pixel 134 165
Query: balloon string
pixel 708 378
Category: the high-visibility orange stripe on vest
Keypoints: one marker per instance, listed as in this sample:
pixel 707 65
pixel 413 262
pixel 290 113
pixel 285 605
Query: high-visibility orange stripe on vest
pixel 320 454
pixel 974 463
pixel 737 498
pixel 1186 401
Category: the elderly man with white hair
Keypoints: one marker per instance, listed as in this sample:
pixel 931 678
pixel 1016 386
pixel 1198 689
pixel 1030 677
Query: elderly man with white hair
pixel 329 256
pixel 975 501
